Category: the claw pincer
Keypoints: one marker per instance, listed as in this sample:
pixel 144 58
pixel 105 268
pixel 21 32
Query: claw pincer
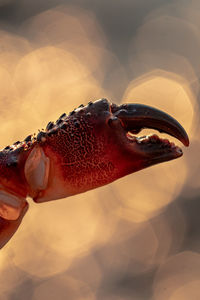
pixel 91 147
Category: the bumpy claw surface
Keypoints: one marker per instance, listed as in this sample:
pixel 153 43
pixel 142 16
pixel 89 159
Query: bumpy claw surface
pixel 92 146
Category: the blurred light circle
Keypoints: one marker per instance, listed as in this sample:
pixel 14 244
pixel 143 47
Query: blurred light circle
pixel 58 232
pixel 145 193
pixel 188 291
pixel 178 277
pixel 10 276
pixel 63 287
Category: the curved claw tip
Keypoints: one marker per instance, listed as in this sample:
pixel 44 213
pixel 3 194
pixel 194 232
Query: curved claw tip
pixel 186 141
pixel 135 117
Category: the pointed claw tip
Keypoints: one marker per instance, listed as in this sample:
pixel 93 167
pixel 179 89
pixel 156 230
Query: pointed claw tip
pixel 183 137
pixel 186 141
pixel 135 117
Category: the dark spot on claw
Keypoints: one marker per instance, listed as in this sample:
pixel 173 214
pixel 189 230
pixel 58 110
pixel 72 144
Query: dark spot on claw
pixel 114 107
pixel 153 141
pixel 49 125
pixel 90 103
pixel 77 124
pixel 41 135
pixel 62 116
pixel 81 106
pixel 166 145
pixel 7 148
pixel 124 106
pixel 28 138
pixel 81 111
pixel 52 132
pixel 59 121
pixel 63 126
pixel 16 143
pixel 12 162
pixel 72 113
pixel 112 120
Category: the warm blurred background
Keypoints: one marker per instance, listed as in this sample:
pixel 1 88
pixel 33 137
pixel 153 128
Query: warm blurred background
pixel 138 238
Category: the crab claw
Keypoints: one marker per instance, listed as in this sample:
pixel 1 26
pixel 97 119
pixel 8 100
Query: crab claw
pixel 136 117
pixel 151 149
pixel 94 145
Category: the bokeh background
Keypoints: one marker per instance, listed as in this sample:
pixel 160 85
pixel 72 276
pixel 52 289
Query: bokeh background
pixel 139 237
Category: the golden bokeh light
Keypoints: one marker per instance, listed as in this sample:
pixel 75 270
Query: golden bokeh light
pixel 10 277
pixel 58 232
pixel 193 182
pixel 188 291
pixel 169 41
pixel 12 48
pixel 63 287
pixel 51 81
pixel 82 35
pixel 141 244
pixel 177 278
pixel 141 204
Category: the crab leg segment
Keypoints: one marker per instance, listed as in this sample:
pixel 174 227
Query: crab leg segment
pixel 9 227
pixel 135 117
pixel 37 170
pixel 10 205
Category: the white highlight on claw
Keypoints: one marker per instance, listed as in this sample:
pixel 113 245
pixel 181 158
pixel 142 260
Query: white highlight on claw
pixel 37 169
pixel 10 205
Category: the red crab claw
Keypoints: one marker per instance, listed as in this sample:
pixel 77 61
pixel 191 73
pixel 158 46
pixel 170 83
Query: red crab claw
pixel 95 145
pixel 91 147
pixel 135 117
pixel 149 149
